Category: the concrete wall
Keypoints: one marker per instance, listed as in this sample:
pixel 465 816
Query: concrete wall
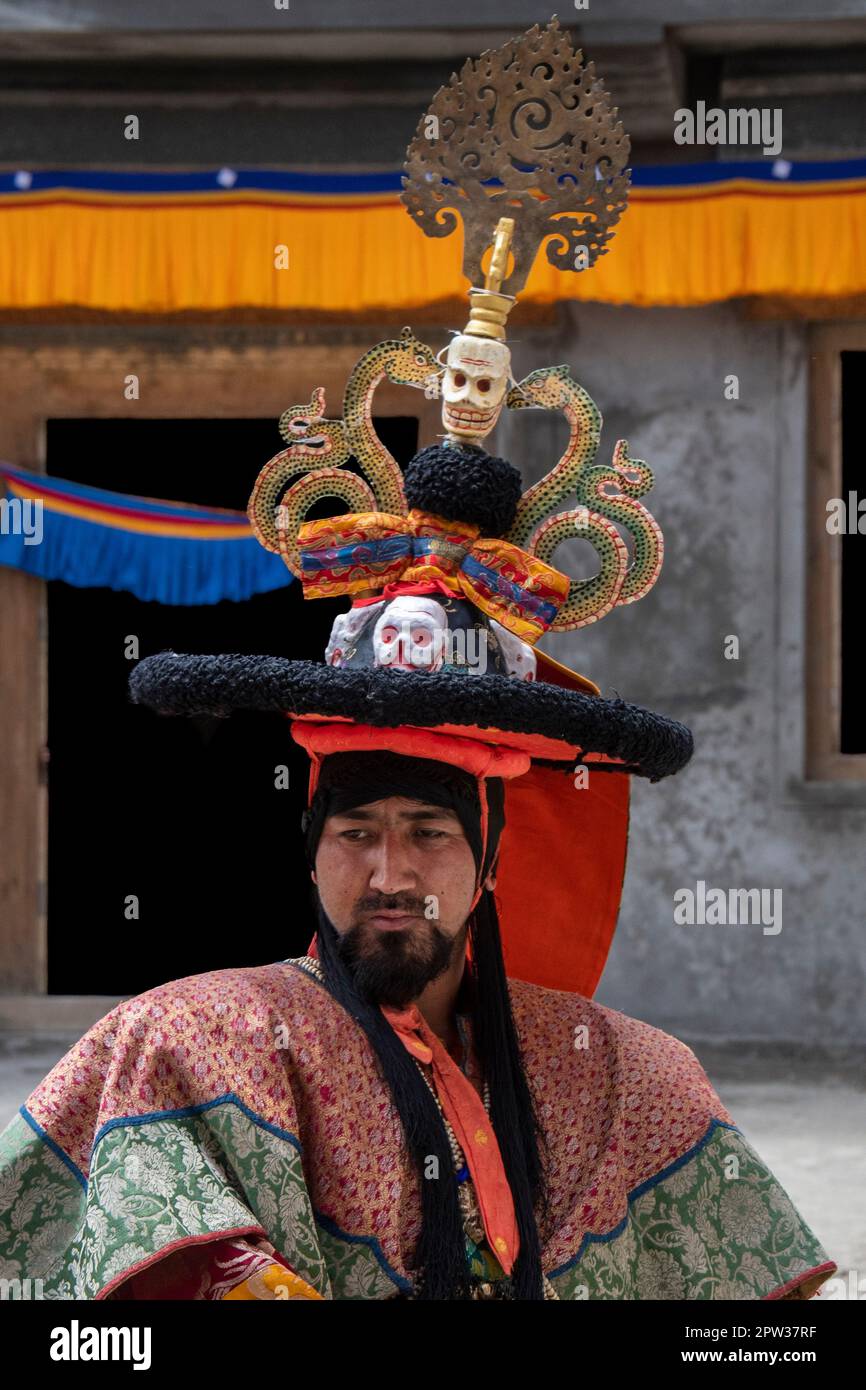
pixel 218 16
pixel 729 496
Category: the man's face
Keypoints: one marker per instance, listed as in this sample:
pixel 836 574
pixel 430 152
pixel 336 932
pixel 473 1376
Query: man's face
pixel 396 878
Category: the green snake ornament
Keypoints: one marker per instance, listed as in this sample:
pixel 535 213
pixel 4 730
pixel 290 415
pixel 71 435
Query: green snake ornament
pixel 405 361
pixel 576 475
pixel 315 445
pixel 630 479
pixel 588 599
pixel 318 449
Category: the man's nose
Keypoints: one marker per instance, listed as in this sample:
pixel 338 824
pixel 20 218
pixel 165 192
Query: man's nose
pixel 392 870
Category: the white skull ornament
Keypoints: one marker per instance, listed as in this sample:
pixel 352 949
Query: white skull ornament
pixel 476 377
pixel 411 634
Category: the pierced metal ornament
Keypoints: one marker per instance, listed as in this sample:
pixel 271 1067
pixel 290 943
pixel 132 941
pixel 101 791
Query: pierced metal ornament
pixel 527 131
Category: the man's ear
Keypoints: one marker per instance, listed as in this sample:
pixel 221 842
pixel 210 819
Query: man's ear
pixel 313 877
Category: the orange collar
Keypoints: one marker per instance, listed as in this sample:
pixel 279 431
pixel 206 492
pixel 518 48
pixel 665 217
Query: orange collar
pixel 471 1124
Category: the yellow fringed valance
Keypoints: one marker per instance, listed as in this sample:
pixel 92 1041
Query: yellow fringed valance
pixel 678 246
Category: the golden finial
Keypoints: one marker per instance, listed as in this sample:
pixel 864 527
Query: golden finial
pixel 490 309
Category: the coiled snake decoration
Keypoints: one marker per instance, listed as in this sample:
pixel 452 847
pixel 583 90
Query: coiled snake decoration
pixel 605 494
pixel 318 449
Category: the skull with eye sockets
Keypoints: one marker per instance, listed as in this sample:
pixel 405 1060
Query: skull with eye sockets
pixel 411 634
pixel 477 372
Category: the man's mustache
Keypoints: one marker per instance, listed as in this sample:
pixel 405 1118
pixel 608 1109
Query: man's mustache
pixel 394 902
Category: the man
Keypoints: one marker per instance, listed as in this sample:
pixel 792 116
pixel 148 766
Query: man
pixel 392 1116
pixel 390 1119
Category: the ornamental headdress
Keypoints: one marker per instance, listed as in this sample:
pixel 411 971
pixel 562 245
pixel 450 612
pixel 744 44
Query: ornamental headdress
pixel 448 566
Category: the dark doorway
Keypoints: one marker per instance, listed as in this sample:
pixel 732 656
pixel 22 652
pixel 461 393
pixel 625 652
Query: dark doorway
pixel 853 673
pixel 184 815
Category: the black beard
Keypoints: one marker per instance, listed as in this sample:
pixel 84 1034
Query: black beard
pixel 393 968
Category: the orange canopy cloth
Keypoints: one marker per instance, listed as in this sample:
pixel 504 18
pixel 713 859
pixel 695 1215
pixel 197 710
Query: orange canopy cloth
pixel 164 242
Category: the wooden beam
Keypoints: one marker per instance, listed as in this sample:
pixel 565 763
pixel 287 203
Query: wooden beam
pixel 23 807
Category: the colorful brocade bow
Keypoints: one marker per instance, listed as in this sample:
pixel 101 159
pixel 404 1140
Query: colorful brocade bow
pixel 364 551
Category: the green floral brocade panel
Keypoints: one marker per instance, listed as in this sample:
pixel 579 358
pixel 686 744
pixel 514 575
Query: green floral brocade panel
pixel 719 1226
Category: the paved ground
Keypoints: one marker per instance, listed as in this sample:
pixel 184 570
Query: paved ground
pixel 806 1118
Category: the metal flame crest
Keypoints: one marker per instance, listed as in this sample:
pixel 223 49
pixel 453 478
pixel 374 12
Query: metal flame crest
pixel 525 131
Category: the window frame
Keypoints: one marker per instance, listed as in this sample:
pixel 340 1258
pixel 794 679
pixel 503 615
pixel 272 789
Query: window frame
pixel 824 761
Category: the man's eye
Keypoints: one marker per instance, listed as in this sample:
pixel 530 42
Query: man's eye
pixel 428 834
pixel 352 834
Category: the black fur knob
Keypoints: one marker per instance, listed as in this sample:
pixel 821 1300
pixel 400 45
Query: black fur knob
pixel 463 483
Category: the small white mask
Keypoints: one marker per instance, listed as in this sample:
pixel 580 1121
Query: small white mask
pixel 476 378
pixel 411 634
pixel 346 630
pixel 520 659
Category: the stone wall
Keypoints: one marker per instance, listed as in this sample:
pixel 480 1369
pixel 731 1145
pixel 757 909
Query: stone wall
pixel 730 497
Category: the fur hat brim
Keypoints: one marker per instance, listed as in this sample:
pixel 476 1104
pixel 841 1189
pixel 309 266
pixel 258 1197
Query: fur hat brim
pixel 550 721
